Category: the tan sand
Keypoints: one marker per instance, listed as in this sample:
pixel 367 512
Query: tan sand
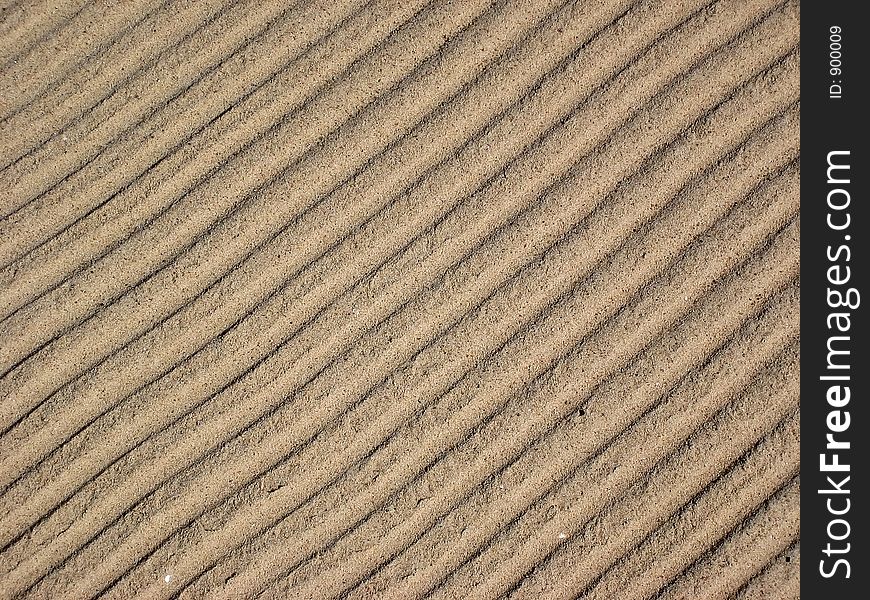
pixel 399 299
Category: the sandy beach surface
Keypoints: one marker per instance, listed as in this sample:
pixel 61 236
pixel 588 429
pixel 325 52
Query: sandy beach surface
pixel 398 299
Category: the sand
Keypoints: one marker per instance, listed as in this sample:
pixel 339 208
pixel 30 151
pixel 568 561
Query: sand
pixel 399 299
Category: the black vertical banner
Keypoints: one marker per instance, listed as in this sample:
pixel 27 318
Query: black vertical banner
pixel 834 368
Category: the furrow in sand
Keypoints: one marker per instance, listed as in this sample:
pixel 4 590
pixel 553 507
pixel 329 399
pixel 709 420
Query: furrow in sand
pixel 152 40
pixel 779 579
pixel 759 540
pixel 636 479
pixel 202 183
pixel 127 112
pixel 484 402
pixel 687 346
pixel 101 164
pixel 120 441
pixel 270 259
pixel 678 505
pixel 690 534
pixel 383 239
pixel 95 29
pixel 26 26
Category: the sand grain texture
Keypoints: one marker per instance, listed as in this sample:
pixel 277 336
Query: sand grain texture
pixel 399 299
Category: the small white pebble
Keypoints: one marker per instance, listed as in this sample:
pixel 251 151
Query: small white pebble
pixel 562 536
pixel 168 579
